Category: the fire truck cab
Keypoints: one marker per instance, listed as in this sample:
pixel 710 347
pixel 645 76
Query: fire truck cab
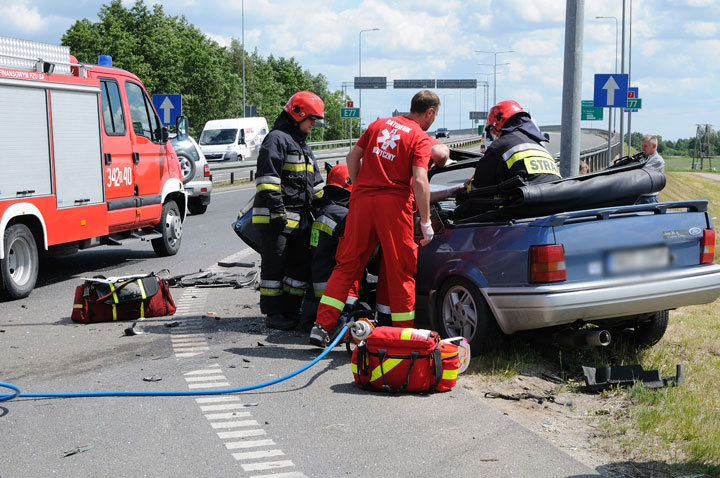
pixel 84 161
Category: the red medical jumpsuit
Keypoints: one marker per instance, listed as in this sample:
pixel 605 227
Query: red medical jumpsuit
pixel 381 210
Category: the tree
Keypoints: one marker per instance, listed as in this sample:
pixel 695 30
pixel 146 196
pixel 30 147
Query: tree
pixel 168 54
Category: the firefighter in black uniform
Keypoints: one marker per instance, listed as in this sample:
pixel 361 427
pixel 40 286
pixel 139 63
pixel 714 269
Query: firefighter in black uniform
pixel 287 183
pixel 325 235
pixel 516 150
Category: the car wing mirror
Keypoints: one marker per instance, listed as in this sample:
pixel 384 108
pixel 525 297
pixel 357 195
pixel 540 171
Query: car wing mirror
pixel 182 126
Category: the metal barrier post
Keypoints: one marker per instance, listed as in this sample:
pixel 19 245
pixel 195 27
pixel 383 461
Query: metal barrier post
pixel 232 178
pixel 252 175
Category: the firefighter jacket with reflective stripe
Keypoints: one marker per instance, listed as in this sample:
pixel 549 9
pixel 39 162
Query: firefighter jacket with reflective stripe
pixel 516 153
pixel 288 178
pixel 326 231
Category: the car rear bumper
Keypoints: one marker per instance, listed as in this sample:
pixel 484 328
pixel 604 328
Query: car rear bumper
pixel 199 188
pixel 527 308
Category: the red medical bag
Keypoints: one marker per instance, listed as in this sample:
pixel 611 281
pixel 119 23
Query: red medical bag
pixel 394 359
pixel 104 300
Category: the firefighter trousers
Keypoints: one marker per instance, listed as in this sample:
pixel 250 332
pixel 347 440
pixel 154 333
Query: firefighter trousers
pixel 284 271
pixel 373 218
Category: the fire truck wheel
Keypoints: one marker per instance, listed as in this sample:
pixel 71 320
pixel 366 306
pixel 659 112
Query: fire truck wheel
pixel 171 228
pixel 187 166
pixel 19 268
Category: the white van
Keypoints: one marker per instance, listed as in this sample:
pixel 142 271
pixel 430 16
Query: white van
pixel 233 139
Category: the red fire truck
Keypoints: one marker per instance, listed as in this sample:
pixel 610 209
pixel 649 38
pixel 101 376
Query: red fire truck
pixel 84 161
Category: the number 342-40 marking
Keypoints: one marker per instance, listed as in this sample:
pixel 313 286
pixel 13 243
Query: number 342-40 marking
pixel 119 176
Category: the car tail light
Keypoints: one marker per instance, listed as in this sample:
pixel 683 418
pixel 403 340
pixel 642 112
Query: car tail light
pixel 206 171
pixel 707 247
pixel 547 263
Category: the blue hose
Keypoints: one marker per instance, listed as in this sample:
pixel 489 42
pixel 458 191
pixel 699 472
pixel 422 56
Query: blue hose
pixel 9 396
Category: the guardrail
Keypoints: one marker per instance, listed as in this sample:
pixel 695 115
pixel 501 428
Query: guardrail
pixel 234 171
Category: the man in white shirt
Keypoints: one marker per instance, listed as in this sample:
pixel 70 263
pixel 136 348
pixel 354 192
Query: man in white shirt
pixel 654 161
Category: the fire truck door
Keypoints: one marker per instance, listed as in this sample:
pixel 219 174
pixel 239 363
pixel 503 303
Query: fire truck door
pixel 117 157
pixel 149 153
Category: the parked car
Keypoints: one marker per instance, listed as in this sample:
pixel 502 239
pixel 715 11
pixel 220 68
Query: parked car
pixel 195 174
pixel 442 133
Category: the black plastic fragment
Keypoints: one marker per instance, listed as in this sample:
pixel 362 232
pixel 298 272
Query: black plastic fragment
pixel 601 378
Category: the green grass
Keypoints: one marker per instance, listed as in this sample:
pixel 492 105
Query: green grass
pixel 679 426
pixel 684 163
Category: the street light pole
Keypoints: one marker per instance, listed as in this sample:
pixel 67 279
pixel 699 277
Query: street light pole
pixel 243 52
pixel 360 70
pixel 611 112
pixel 495 65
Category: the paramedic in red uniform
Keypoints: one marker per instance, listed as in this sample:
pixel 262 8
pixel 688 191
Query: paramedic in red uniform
pixel 388 168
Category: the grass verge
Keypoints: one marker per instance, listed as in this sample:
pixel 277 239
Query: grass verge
pixel 678 428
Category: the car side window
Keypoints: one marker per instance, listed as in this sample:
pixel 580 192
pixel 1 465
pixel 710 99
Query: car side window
pixel 145 121
pixel 113 116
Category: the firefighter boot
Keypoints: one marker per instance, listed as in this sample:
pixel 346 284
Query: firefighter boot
pixel 319 336
pixel 280 322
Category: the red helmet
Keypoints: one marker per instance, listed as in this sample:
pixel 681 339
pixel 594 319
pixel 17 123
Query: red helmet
pixel 500 113
pixel 338 176
pixel 305 104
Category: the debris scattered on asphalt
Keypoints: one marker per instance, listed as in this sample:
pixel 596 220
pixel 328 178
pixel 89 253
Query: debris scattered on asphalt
pixel 260 344
pixel 525 396
pixel 2 331
pixel 153 378
pixel 214 279
pixel 245 360
pixel 252 404
pixel 172 324
pixel 601 378
pixel 235 264
pixel 488 459
pixel 134 329
pixel 75 451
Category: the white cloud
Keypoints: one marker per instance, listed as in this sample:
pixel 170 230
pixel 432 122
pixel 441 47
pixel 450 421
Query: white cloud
pixel 701 29
pixel 25 19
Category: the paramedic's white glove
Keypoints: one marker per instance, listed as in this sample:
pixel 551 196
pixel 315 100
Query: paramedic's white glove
pixel 427 232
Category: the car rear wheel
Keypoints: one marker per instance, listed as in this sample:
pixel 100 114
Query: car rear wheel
pixel 462 311
pixel 195 206
pixel 650 332
pixel 19 267
pixel 171 228
pixel 187 166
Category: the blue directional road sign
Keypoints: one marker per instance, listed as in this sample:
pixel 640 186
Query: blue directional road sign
pixel 169 107
pixel 610 91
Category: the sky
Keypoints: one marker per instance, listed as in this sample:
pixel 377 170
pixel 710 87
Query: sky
pixel 672 49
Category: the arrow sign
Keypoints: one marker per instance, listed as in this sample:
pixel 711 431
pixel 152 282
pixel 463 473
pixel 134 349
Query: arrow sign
pixel 610 90
pixel 610 86
pixel 169 107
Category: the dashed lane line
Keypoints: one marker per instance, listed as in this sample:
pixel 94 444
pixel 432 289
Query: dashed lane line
pixel 228 416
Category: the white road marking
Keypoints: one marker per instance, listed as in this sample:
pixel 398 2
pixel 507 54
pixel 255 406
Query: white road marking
pixel 234 445
pixel 218 408
pixel 235 424
pixel 226 416
pixel 205 378
pixel 289 474
pixel 267 465
pixel 208 385
pixel 254 455
pixel 242 433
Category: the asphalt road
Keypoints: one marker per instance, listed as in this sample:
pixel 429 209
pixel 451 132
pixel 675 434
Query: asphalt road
pixel 315 424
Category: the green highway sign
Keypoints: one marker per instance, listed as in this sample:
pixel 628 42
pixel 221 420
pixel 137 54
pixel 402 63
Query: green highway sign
pixel 590 112
pixel 349 112
pixel 634 103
